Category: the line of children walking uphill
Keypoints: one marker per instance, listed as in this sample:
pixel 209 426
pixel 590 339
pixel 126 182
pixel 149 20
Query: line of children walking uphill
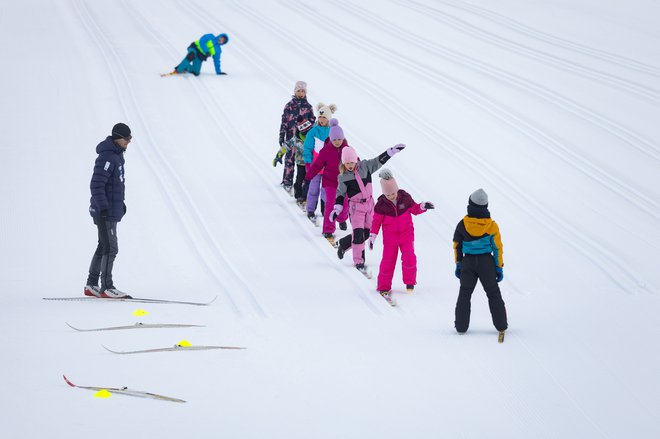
pixel 330 170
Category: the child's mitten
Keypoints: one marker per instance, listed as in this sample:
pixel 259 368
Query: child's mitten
pixel 499 274
pixel 395 149
pixel 336 211
pixel 372 239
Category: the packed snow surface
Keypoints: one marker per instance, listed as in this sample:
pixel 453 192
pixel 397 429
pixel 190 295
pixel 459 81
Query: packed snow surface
pixel 551 106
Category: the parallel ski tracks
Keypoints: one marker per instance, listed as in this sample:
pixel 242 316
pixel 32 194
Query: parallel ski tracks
pixel 172 188
pixel 554 40
pixel 630 137
pixel 517 121
pixel 643 92
pixel 610 264
pixel 220 117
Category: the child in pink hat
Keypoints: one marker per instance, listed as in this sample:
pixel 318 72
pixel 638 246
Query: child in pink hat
pixel 393 212
pixel 355 184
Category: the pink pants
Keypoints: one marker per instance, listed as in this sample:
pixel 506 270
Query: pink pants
pixel 388 263
pixel 330 197
pixel 362 215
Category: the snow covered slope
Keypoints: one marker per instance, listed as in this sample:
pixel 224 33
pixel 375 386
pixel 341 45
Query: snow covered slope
pixel 551 107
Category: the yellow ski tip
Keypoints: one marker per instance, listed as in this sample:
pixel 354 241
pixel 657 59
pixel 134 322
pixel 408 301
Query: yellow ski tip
pixel 140 312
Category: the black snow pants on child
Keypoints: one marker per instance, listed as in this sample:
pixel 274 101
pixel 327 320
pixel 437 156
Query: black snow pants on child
pixel 480 267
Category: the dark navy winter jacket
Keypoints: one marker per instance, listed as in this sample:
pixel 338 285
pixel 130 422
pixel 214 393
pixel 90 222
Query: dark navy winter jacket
pixel 107 185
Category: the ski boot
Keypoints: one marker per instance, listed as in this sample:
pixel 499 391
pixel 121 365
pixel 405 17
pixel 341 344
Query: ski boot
pixel 410 288
pixel 114 293
pixel 92 290
pixel 330 237
pixel 387 295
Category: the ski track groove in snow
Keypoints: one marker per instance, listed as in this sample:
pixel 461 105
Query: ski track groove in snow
pixel 632 138
pixel 521 28
pixel 516 121
pixel 180 202
pixel 610 264
pixel 382 97
pixel 215 248
pixel 225 126
pixel 646 93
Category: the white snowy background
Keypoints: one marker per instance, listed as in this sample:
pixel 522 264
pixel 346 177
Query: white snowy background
pixel 551 106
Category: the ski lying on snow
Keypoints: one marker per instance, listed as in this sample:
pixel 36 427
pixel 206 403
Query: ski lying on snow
pixel 134 299
pixel 173 348
pixel 136 326
pixel 126 391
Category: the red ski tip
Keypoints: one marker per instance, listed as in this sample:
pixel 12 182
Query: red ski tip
pixel 67 381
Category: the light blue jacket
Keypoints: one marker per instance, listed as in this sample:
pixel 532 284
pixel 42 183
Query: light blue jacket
pixel 209 46
pixel 317 132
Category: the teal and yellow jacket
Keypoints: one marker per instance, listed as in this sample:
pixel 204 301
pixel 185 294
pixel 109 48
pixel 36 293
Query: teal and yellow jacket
pixel 210 46
pixel 478 236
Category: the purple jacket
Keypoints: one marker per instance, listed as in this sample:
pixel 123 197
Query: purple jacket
pixel 294 109
pixel 329 159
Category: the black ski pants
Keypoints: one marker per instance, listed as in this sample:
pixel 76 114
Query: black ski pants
pixel 481 267
pixel 104 256
pixel 299 192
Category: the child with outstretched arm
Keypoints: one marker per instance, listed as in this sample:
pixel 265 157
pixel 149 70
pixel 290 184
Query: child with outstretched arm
pixel 355 185
pixel 393 211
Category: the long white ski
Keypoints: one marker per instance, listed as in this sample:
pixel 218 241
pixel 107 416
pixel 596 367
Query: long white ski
pixel 134 299
pixel 137 326
pixel 126 391
pixel 176 347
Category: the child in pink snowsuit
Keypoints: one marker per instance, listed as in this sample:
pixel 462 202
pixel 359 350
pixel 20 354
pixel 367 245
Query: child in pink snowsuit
pixel 328 160
pixel 394 211
pixel 355 184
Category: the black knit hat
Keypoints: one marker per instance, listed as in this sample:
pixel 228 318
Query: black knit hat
pixel 120 131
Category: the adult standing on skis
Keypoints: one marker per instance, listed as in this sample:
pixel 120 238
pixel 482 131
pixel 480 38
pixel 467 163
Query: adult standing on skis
pixel 298 115
pixel 199 51
pixel 478 253
pixel 107 208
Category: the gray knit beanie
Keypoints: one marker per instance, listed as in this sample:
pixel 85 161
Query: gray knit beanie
pixel 479 197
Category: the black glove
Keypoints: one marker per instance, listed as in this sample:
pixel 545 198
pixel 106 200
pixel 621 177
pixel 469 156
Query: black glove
pixel 457 272
pixel 104 213
pixel 428 205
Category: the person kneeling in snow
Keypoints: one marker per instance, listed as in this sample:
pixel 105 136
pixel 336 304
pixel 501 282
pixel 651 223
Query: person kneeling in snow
pixel 200 50
pixel 394 211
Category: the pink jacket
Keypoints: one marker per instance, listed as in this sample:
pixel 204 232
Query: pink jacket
pixel 396 218
pixel 329 159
